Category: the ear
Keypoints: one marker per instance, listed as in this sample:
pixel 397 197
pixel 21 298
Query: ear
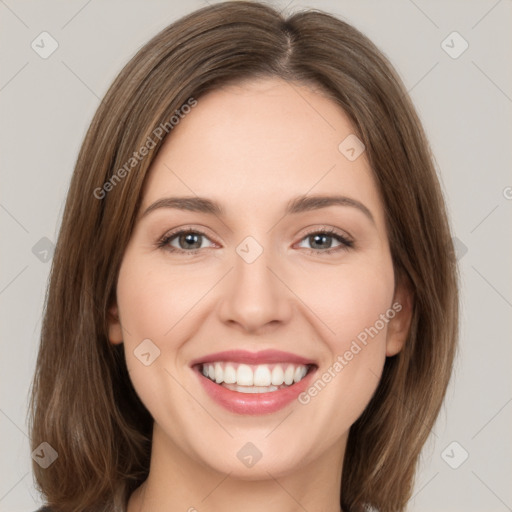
pixel 115 331
pixel 398 327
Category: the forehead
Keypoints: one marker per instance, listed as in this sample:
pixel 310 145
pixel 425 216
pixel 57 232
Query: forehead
pixel 261 142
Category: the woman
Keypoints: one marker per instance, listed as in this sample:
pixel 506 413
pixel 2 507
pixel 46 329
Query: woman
pixel 253 299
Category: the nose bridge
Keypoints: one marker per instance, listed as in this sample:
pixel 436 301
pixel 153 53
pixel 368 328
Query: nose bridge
pixel 255 296
pixel 252 264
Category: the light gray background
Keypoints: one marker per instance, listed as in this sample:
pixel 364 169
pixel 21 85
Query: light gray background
pixel 466 107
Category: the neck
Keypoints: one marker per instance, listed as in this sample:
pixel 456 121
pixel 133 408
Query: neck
pixel 178 482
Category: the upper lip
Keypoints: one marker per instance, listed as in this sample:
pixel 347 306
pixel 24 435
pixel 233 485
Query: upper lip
pixel 261 357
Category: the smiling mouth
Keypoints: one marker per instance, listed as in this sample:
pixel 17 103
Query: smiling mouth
pixel 254 378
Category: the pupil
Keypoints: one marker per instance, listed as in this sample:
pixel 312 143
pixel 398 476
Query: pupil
pixel 191 238
pixel 317 237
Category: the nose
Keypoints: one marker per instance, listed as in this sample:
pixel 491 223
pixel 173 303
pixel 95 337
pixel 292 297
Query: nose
pixel 256 294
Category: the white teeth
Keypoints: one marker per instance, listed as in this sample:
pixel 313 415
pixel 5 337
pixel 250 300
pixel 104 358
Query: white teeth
pixel 229 374
pixel 259 378
pixel 288 375
pixel 277 375
pixel 262 376
pixel 300 371
pixel 250 389
pixel 219 373
pixel 244 375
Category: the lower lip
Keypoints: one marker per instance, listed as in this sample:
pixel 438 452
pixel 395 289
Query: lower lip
pixel 254 403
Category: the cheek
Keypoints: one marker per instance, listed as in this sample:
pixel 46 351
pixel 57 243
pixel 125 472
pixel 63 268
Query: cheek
pixel 360 306
pixel 152 307
pixel 163 305
pixel 153 301
pixel 355 304
pixel 349 300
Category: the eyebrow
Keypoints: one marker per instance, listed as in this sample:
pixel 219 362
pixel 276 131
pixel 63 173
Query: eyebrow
pixel 296 205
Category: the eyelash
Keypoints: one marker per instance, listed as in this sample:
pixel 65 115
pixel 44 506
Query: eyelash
pixel 346 243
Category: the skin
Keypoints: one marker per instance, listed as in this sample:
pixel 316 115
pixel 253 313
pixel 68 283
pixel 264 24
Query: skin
pixel 253 147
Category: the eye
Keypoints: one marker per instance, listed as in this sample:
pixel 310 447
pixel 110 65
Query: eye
pixel 321 241
pixel 185 240
pixel 190 241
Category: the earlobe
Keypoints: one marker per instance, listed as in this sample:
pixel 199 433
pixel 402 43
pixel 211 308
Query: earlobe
pixel 399 325
pixel 115 331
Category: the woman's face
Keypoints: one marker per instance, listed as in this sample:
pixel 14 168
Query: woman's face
pixel 269 284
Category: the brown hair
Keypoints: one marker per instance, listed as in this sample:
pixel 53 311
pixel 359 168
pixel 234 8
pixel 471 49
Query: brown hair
pixel 83 403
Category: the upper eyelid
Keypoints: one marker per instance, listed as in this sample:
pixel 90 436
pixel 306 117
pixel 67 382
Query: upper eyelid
pixel 187 229
pixel 331 231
